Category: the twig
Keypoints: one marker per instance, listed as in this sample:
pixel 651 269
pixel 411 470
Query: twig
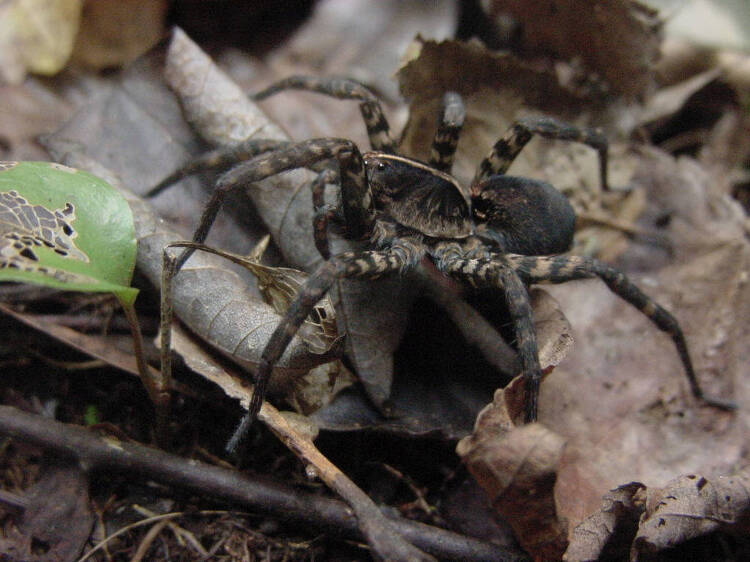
pixel 104 453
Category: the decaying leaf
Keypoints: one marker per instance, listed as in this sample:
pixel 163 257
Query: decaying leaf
pixel 57 521
pixel 635 521
pixel 691 506
pixel 306 392
pixel 279 286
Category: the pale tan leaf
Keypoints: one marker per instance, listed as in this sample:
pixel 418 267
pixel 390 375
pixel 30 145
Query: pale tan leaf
pixel 36 36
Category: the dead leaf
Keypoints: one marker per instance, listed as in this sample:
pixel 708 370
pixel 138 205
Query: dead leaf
pixel 691 506
pixel 36 36
pixel 618 41
pixel 57 521
pixel 635 521
pixel 115 32
pixel 516 466
pixel 608 533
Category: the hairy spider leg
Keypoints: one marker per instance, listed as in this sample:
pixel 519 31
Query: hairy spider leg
pixel 365 265
pixel 378 130
pixel 496 272
pixel 220 158
pixel 519 134
pixel 559 269
pixel 450 123
pixel 324 212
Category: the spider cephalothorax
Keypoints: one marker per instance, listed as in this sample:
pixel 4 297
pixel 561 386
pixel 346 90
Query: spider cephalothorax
pixel 503 232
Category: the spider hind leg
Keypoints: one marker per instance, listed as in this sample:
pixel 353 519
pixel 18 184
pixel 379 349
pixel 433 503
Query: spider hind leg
pixel 520 133
pixel 559 269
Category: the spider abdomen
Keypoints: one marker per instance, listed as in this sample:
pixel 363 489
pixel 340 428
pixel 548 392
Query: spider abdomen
pixel 524 216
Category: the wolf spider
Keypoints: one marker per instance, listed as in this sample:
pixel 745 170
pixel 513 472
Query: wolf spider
pixel 505 234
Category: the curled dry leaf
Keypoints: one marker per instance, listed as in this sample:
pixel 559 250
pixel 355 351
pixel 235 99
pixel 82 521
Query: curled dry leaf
pixel 516 466
pixel 617 40
pixel 609 532
pixel 496 88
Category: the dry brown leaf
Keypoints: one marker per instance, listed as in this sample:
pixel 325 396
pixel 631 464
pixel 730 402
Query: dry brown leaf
pixel 553 331
pixel 635 521
pixel 115 32
pixel 618 40
pixel 516 466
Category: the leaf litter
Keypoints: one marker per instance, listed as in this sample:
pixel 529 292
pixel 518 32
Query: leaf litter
pixel 569 404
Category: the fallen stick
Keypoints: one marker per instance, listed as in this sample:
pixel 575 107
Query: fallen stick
pixel 95 452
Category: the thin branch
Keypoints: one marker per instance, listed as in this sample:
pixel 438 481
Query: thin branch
pixel 94 452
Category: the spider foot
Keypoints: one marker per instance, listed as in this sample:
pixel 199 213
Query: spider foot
pixel 720 403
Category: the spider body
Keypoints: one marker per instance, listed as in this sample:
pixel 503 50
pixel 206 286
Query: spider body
pixel 503 232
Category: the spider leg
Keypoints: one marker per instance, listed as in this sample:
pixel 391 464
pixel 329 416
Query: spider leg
pixel 496 272
pixel 356 197
pixel 366 265
pixel 449 128
pixel 324 213
pixel 321 220
pixel 220 158
pixel 519 134
pixel 378 130
pixel 559 269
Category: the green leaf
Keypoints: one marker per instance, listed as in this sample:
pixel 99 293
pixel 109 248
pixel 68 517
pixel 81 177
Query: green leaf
pixel 65 228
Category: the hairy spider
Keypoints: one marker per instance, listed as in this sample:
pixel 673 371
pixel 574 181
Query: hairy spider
pixel 504 232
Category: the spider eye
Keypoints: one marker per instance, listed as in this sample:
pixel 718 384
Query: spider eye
pixel 381 166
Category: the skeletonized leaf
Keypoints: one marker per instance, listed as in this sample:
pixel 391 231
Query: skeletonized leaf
pixel 64 228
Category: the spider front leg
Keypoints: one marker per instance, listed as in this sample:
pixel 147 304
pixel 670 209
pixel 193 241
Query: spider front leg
pixel 519 134
pixel 365 265
pixel 220 158
pixel 450 123
pixel 356 197
pixel 378 130
pixel 560 269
